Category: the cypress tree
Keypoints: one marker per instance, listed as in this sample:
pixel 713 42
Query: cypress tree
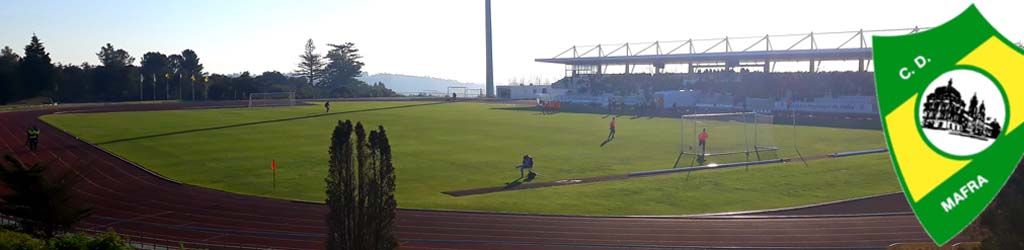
pixel 360 190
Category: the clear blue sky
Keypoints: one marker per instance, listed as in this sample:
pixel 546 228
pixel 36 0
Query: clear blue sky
pixel 441 38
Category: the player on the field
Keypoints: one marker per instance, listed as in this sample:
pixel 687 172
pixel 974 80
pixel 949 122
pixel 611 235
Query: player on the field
pixel 611 128
pixel 527 166
pixel 327 106
pixel 702 140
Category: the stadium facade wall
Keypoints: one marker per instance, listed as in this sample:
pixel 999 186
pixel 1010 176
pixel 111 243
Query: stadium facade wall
pixel 840 104
pixel 518 92
pixel 817 92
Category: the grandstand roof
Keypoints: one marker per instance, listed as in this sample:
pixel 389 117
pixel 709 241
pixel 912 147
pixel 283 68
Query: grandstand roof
pixel 825 46
pixel 775 56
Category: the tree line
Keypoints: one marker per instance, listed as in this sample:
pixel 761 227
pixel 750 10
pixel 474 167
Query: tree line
pixel 158 76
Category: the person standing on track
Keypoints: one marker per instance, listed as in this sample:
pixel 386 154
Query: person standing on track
pixel 611 128
pixel 327 106
pixel 33 138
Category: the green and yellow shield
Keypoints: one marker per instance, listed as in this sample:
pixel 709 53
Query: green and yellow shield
pixel 952 103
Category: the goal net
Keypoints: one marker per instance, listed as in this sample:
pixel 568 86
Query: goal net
pixel 476 93
pixel 465 92
pixel 271 99
pixel 730 137
pixel 461 91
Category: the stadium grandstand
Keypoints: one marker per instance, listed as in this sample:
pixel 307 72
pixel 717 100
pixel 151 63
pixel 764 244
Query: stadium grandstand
pixel 826 72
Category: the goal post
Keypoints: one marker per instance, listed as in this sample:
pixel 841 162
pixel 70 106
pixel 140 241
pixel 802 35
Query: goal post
pixel 731 137
pixel 271 99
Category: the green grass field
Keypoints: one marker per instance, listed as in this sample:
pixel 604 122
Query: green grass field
pixel 453 146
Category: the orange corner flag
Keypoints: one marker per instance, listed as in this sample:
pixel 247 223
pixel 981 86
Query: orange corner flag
pixel 273 165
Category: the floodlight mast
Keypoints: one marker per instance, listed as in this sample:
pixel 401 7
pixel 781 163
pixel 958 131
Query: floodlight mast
pixel 490 60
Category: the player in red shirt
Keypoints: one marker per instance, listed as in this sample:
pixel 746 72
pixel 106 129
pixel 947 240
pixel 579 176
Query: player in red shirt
pixel 702 140
pixel 611 127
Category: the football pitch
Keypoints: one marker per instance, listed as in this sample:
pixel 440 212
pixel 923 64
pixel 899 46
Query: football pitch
pixel 455 146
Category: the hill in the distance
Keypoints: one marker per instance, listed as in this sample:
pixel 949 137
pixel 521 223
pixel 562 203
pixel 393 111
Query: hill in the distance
pixel 412 84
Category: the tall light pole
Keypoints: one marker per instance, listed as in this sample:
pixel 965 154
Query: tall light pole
pixel 490 60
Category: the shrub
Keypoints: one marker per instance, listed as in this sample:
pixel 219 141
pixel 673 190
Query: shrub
pixel 105 241
pixel 11 240
pixel 70 242
pixel 19 241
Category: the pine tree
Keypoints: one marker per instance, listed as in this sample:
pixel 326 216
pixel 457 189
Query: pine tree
pixel 9 84
pixel 35 69
pixel 191 71
pixel 114 78
pixel 342 69
pixel 312 64
pixel 114 58
pixel 155 66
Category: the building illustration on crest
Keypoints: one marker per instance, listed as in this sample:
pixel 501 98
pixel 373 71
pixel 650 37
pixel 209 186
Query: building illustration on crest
pixel 944 109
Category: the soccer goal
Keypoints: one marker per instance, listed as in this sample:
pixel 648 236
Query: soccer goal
pixel 730 137
pixel 457 90
pixel 474 93
pixel 271 99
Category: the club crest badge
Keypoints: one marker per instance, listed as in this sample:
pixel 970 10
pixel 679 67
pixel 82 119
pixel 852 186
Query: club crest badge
pixel 952 104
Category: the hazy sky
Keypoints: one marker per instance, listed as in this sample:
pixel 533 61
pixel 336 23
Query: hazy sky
pixel 442 38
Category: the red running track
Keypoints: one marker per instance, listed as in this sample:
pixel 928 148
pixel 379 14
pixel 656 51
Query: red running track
pixel 135 202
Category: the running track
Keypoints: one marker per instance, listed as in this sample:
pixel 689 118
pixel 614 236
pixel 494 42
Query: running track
pixel 135 202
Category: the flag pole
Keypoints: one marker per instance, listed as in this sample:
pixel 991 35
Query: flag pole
pixel 273 168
